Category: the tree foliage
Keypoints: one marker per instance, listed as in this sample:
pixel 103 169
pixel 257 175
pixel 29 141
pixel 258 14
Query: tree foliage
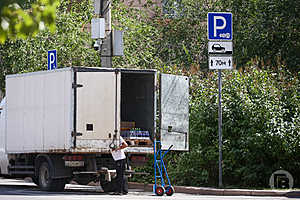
pixel 140 38
pixel 260 102
pixel 261 130
pixel 23 18
pixel 267 31
pixel 260 125
pixel 71 40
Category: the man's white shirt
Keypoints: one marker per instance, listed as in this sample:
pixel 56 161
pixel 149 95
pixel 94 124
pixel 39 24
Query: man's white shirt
pixel 119 154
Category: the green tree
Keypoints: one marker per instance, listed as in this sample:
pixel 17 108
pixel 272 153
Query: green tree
pixel 71 40
pixel 155 39
pixel 260 129
pixel 267 31
pixel 259 105
pixel 23 18
pixel 140 36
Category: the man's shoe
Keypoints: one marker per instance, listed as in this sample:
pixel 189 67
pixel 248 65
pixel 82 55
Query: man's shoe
pixel 125 193
pixel 116 193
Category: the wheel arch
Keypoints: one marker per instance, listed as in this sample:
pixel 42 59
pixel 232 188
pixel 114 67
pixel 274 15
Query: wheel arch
pixel 56 163
pixel 40 158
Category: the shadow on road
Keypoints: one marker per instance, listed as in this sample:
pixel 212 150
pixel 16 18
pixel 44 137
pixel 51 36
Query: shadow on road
pixel 30 190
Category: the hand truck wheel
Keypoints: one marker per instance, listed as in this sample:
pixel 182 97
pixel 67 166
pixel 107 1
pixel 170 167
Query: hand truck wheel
pixel 169 190
pixel 159 191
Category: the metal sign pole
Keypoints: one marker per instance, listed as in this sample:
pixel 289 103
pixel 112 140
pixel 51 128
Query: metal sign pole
pixel 220 127
pixel 219 34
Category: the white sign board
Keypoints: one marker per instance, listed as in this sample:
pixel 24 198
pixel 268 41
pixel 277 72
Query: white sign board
pixel 220 47
pixel 220 62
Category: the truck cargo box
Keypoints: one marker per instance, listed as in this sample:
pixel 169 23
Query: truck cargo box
pixel 80 109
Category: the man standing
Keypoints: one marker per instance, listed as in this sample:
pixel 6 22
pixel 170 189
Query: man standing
pixel 120 159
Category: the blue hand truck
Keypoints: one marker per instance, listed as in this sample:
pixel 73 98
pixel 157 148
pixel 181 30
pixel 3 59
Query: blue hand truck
pixel 160 171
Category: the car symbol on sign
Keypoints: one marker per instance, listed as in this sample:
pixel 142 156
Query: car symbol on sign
pixel 218 48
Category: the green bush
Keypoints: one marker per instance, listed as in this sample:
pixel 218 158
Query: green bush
pixel 260 129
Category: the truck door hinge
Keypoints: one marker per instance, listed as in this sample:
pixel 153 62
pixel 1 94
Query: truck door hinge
pixel 76 134
pixel 77 85
pixel 117 71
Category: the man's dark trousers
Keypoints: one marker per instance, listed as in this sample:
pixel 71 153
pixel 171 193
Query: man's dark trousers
pixel 120 168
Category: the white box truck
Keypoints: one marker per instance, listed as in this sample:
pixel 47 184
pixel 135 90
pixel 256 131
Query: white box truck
pixel 59 125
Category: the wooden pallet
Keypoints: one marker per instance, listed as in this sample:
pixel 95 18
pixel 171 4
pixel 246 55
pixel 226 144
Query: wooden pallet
pixel 139 142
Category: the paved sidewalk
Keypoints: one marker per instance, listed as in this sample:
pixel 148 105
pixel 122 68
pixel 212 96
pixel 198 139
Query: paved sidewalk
pixel 220 192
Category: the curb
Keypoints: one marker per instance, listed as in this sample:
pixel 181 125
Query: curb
pixel 219 192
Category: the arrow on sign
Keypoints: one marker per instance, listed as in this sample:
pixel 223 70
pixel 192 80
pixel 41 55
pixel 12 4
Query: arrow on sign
pixel 220 62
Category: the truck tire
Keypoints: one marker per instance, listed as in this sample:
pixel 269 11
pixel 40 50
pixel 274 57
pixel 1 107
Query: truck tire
pixel 46 182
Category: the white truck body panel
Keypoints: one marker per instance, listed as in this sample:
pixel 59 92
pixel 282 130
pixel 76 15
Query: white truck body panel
pixel 39 107
pixel 174 112
pixel 80 110
pixel 98 101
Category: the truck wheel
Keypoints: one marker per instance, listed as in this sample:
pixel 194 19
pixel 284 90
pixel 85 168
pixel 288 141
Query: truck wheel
pixel 45 177
pixel 46 182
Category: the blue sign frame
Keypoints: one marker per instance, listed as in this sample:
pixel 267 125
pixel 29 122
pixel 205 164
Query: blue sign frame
pixel 219 26
pixel 52 59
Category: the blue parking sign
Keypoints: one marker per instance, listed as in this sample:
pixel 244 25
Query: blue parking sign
pixel 52 60
pixel 219 26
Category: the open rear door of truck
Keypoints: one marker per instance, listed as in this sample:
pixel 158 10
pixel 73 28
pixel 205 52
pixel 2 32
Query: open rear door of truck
pixel 174 112
pixel 97 108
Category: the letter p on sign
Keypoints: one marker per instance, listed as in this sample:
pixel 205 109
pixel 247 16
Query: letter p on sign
pixel 216 27
pixel 52 60
pixel 219 26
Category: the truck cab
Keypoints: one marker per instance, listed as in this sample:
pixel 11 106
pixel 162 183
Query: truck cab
pixel 3 155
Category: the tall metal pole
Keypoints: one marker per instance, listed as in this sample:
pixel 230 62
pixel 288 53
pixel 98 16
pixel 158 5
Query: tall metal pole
pixel 105 11
pixel 220 127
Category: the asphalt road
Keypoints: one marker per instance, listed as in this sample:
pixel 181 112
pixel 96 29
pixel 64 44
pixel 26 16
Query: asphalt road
pixel 12 189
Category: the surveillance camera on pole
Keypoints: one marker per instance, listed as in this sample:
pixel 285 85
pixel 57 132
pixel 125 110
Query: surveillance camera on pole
pixel 109 42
